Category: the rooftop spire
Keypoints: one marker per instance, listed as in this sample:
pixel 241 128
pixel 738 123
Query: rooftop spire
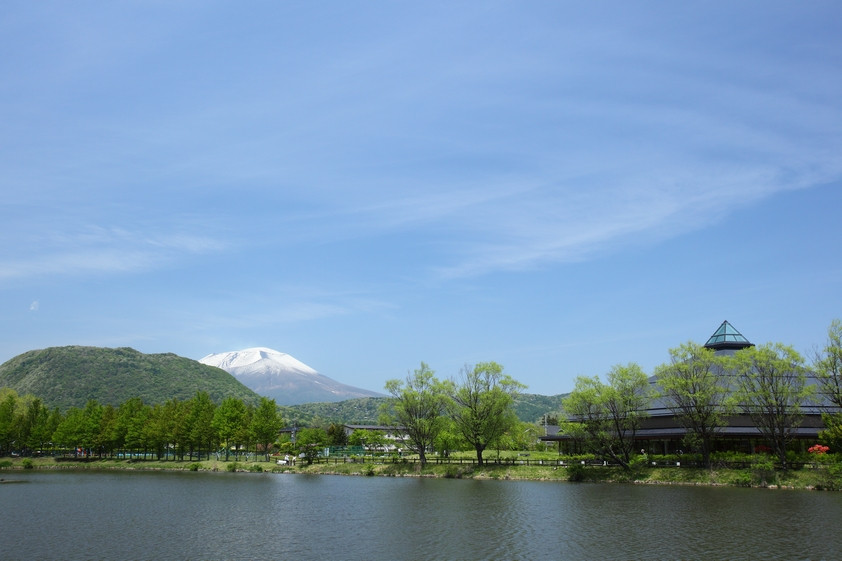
pixel 727 337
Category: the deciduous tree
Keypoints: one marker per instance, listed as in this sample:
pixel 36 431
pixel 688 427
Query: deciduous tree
pixel 266 423
pixel 610 414
pixel 336 435
pixel 200 424
pixel 828 365
pixel 228 421
pixel 694 386
pixel 480 404
pixel 417 405
pixel 310 441
pixel 771 390
pixel 8 427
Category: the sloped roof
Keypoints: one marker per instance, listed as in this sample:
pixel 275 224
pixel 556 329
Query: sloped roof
pixel 727 337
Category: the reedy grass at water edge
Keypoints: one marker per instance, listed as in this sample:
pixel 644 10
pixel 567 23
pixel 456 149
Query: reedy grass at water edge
pixel 821 478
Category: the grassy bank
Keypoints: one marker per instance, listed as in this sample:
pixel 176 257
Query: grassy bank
pixel 808 478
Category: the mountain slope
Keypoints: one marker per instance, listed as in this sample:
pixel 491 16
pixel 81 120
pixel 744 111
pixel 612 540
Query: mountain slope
pixel 281 377
pixel 528 407
pixel 67 377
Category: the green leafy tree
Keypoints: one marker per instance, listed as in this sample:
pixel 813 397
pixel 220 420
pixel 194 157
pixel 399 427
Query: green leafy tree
pixel 310 442
pixel 828 365
pixel 178 429
pixel 578 435
pixel 244 437
pixel 523 436
pixel 228 421
pixel 695 388
pixel 367 438
pixel 417 406
pixel 480 405
pixel 90 435
pixel 156 430
pixel 336 435
pixel 106 429
pixel 610 414
pixel 200 430
pixel 831 436
pixel 771 390
pixel 448 438
pixel 133 418
pixel 8 405
pixel 70 431
pixel 127 429
pixel 266 423
pixel 43 423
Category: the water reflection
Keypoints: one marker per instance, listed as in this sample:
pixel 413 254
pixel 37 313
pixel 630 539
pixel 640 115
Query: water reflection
pixel 266 516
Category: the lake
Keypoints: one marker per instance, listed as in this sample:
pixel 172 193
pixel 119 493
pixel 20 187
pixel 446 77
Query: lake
pixel 196 515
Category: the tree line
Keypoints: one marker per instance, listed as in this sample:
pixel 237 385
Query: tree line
pixel 195 427
pixel 768 384
pixel 474 411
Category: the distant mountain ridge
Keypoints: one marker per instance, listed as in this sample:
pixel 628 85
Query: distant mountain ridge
pixel 529 408
pixel 70 376
pixel 282 377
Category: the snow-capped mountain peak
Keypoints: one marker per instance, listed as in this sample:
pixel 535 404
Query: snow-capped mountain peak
pixel 262 358
pixel 282 377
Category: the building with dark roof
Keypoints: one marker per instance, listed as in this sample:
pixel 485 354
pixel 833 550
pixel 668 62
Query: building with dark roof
pixel 662 432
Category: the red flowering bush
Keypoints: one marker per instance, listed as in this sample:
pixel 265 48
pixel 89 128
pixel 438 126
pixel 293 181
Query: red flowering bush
pixel 818 449
pixel 762 449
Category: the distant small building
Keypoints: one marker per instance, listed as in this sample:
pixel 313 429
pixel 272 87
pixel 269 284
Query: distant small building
pixel 395 435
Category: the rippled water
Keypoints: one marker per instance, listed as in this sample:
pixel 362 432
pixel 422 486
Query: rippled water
pixel 142 515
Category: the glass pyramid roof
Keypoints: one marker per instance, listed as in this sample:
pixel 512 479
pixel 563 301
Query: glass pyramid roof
pixel 727 337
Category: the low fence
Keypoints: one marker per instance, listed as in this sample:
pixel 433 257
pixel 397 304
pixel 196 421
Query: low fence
pixel 537 462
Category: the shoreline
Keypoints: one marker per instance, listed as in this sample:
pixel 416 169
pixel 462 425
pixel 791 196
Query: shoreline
pixel 802 479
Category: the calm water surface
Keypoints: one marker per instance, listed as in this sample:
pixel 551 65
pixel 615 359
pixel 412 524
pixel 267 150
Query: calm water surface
pixel 124 515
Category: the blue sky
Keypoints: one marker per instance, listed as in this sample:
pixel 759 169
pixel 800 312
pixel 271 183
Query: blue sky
pixel 557 187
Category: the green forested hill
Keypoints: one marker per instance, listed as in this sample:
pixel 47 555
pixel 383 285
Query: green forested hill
pixel 67 377
pixel 530 407
pixel 360 411
pixel 363 411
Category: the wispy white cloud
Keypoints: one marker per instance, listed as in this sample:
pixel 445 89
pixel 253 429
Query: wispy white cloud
pixel 553 146
pixel 98 250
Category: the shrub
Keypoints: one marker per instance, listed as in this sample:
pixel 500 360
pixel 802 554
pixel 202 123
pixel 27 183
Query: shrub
pixel 829 478
pixel 194 466
pixel 233 466
pixel 576 472
pixel 27 463
pixel 763 472
pixel 741 479
pixel 255 468
pixel 457 472
pixel 5 464
pixel 818 449
pixel 727 459
pixel 368 470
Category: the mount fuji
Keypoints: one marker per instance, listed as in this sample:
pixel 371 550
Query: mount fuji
pixel 282 377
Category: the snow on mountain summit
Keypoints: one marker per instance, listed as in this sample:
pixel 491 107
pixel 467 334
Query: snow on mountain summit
pixel 282 377
pixel 261 358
